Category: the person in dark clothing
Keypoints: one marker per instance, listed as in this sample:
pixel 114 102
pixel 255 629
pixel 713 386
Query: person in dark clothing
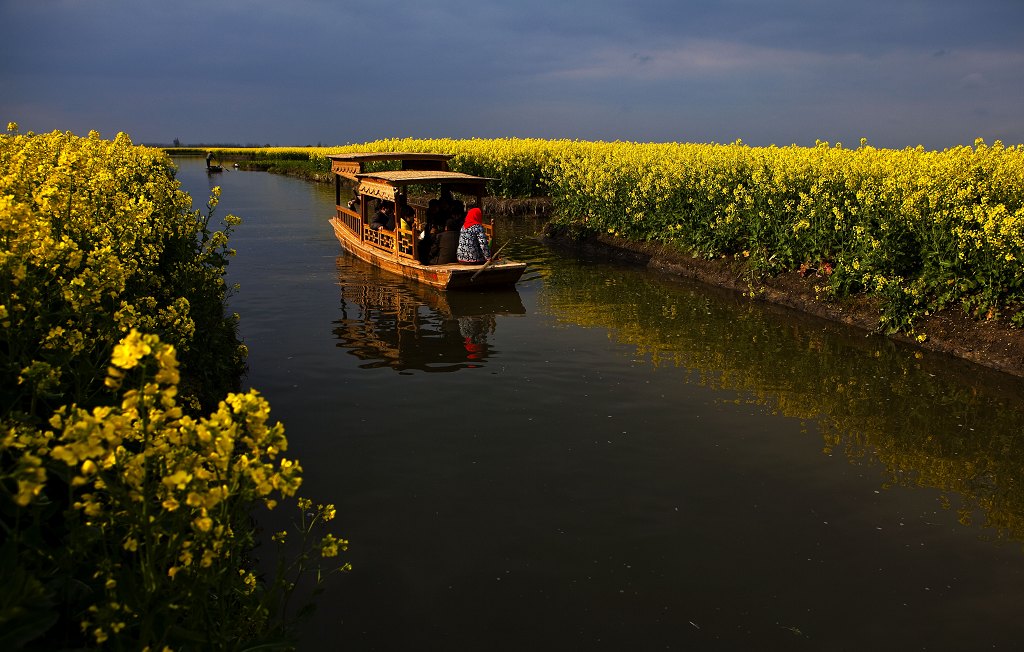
pixel 425 244
pixel 385 217
pixel 459 212
pixel 434 217
pixel 445 244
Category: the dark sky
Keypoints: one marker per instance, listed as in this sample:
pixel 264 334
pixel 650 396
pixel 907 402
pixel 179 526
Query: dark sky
pixel 298 72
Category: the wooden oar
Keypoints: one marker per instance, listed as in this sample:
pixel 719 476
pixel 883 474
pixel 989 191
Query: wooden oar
pixel 490 261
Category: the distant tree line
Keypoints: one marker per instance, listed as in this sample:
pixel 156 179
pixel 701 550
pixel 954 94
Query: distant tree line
pixel 177 143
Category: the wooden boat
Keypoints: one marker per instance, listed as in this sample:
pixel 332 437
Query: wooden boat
pixel 397 251
pixel 211 169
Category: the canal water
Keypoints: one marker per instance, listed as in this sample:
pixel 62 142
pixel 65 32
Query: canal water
pixel 609 459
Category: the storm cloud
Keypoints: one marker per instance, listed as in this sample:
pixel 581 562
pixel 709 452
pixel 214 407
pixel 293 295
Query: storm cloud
pixel 936 73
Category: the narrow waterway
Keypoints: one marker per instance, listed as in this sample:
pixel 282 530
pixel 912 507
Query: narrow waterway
pixel 608 459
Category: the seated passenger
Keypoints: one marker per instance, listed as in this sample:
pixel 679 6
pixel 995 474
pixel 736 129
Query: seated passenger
pixel 445 245
pixel 444 204
pixel 473 246
pixel 385 217
pixel 434 216
pixel 425 244
pixel 408 217
pixel 459 211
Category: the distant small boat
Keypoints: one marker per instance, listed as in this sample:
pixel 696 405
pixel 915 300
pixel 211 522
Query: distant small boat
pixel 211 169
pixel 397 251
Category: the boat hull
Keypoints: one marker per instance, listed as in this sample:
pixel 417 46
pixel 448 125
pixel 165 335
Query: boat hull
pixel 444 277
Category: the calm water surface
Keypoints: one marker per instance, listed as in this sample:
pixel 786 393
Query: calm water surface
pixel 605 459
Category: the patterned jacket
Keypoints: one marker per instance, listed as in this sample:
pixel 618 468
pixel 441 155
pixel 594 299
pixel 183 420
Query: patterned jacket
pixel 473 247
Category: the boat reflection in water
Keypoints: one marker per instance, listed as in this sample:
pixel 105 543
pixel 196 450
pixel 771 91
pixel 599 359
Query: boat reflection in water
pixel 388 322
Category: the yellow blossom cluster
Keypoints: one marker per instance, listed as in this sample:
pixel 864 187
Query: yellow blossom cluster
pixel 110 480
pixel 97 238
pixel 163 484
pixel 146 452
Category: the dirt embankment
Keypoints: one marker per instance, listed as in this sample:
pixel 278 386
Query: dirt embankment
pixel 989 343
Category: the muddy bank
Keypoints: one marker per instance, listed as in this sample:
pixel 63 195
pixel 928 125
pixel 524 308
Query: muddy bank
pixel 990 343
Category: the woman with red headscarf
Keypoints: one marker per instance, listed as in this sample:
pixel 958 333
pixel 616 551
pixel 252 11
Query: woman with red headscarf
pixel 473 246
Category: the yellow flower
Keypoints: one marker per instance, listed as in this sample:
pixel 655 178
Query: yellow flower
pixel 178 479
pixel 329 546
pixel 168 366
pixel 28 490
pixel 130 350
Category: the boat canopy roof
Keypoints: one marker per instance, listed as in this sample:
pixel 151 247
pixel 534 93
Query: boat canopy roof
pixel 410 177
pixel 388 184
pixel 352 164
pixel 369 157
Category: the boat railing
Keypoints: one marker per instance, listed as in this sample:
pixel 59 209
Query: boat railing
pixel 406 237
pixel 350 219
pixel 379 238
